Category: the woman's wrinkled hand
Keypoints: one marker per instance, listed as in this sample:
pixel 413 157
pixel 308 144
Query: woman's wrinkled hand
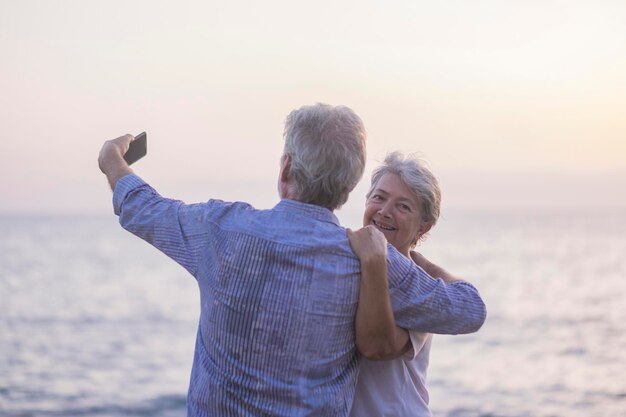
pixel 368 243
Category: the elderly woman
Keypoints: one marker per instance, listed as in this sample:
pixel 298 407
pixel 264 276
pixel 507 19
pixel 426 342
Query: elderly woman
pixel 401 207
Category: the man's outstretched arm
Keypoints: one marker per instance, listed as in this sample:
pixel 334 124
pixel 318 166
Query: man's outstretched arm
pixel 111 159
pixel 162 222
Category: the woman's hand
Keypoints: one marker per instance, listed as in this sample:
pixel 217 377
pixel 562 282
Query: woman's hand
pixel 433 270
pixel 368 243
pixel 419 259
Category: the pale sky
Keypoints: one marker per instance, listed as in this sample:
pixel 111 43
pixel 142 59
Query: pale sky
pixel 513 103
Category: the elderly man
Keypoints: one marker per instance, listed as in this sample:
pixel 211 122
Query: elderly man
pixel 279 287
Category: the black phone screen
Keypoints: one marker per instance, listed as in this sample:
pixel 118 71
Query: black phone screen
pixel 138 148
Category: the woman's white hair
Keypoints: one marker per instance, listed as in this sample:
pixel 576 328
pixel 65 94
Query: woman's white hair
pixel 326 145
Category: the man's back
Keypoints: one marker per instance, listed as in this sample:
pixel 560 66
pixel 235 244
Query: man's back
pixel 278 291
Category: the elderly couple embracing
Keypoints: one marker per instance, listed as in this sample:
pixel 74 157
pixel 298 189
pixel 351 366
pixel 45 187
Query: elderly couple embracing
pixel 300 316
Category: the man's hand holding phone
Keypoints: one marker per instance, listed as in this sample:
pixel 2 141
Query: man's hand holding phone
pixel 113 161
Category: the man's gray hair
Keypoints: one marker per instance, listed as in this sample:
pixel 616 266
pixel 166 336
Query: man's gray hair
pixel 416 175
pixel 327 149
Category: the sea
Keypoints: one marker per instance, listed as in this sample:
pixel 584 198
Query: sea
pixel 95 322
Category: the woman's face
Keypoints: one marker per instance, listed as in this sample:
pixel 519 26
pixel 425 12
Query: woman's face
pixel 396 211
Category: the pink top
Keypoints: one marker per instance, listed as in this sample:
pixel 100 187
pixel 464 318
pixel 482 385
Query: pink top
pixel 395 387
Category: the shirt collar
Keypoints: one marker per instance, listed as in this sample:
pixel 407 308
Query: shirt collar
pixel 309 210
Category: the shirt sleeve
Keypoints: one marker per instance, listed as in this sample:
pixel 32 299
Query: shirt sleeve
pixel 169 225
pixel 425 304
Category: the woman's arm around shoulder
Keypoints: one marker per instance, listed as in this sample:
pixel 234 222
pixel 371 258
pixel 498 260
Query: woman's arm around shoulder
pixel 377 336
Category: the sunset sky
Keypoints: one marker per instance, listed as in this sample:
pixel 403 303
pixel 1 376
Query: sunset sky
pixel 514 103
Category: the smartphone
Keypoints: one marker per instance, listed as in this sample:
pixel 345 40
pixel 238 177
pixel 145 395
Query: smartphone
pixel 138 148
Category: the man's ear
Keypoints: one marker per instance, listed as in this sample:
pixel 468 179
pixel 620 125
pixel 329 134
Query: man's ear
pixel 285 168
pixel 284 177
